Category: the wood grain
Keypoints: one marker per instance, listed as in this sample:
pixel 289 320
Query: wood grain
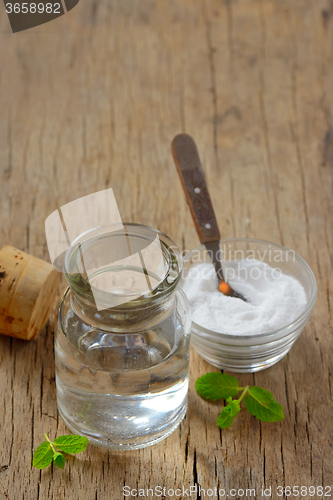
pixel 93 100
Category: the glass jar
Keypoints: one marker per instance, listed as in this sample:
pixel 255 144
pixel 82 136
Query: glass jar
pixel 122 338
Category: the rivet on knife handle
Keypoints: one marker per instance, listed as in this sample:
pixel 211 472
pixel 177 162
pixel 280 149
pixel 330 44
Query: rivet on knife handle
pixel 192 176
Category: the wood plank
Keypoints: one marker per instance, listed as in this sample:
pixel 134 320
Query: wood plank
pixel 93 100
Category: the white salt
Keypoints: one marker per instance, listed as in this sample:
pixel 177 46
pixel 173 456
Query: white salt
pixel 275 299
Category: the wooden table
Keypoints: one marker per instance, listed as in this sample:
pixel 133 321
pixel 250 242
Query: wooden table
pixel 92 100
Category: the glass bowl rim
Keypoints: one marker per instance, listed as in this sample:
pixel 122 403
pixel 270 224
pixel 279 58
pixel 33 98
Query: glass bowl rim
pixel 284 329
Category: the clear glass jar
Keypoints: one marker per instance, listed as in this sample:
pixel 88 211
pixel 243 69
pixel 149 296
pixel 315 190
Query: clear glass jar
pixel 122 371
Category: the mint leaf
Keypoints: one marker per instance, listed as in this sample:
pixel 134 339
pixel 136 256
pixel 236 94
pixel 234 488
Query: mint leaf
pixel 229 412
pixel 46 451
pixel 215 385
pixel 261 404
pixel 71 443
pixel 43 456
pixel 59 460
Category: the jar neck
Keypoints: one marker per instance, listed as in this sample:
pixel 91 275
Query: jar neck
pixel 131 317
pixel 122 279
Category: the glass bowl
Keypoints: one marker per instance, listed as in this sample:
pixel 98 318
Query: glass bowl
pixel 251 353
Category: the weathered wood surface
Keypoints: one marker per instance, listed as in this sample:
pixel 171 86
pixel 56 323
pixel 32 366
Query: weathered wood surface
pixel 93 100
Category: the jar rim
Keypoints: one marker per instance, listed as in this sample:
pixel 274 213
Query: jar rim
pixel 173 262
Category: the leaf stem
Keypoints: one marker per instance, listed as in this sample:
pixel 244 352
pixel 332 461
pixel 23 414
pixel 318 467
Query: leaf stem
pixel 243 393
pixel 51 444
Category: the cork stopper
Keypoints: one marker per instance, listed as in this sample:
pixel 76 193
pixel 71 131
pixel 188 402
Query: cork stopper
pixel 28 288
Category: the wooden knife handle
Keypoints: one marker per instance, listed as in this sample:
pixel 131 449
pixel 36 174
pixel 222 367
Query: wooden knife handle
pixel 192 176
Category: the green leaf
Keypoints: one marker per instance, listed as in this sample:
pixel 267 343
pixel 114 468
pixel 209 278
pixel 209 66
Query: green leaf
pixel 71 443
pixel 59 460
pixel 43 456
pixel 261 404
pixel 216 385
pixel 227 415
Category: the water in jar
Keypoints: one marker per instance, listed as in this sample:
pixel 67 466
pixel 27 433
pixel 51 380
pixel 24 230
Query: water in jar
pixel 123 390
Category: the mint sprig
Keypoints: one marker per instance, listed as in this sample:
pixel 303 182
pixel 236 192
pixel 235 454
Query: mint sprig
pixel 259 402
pixel 47 451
